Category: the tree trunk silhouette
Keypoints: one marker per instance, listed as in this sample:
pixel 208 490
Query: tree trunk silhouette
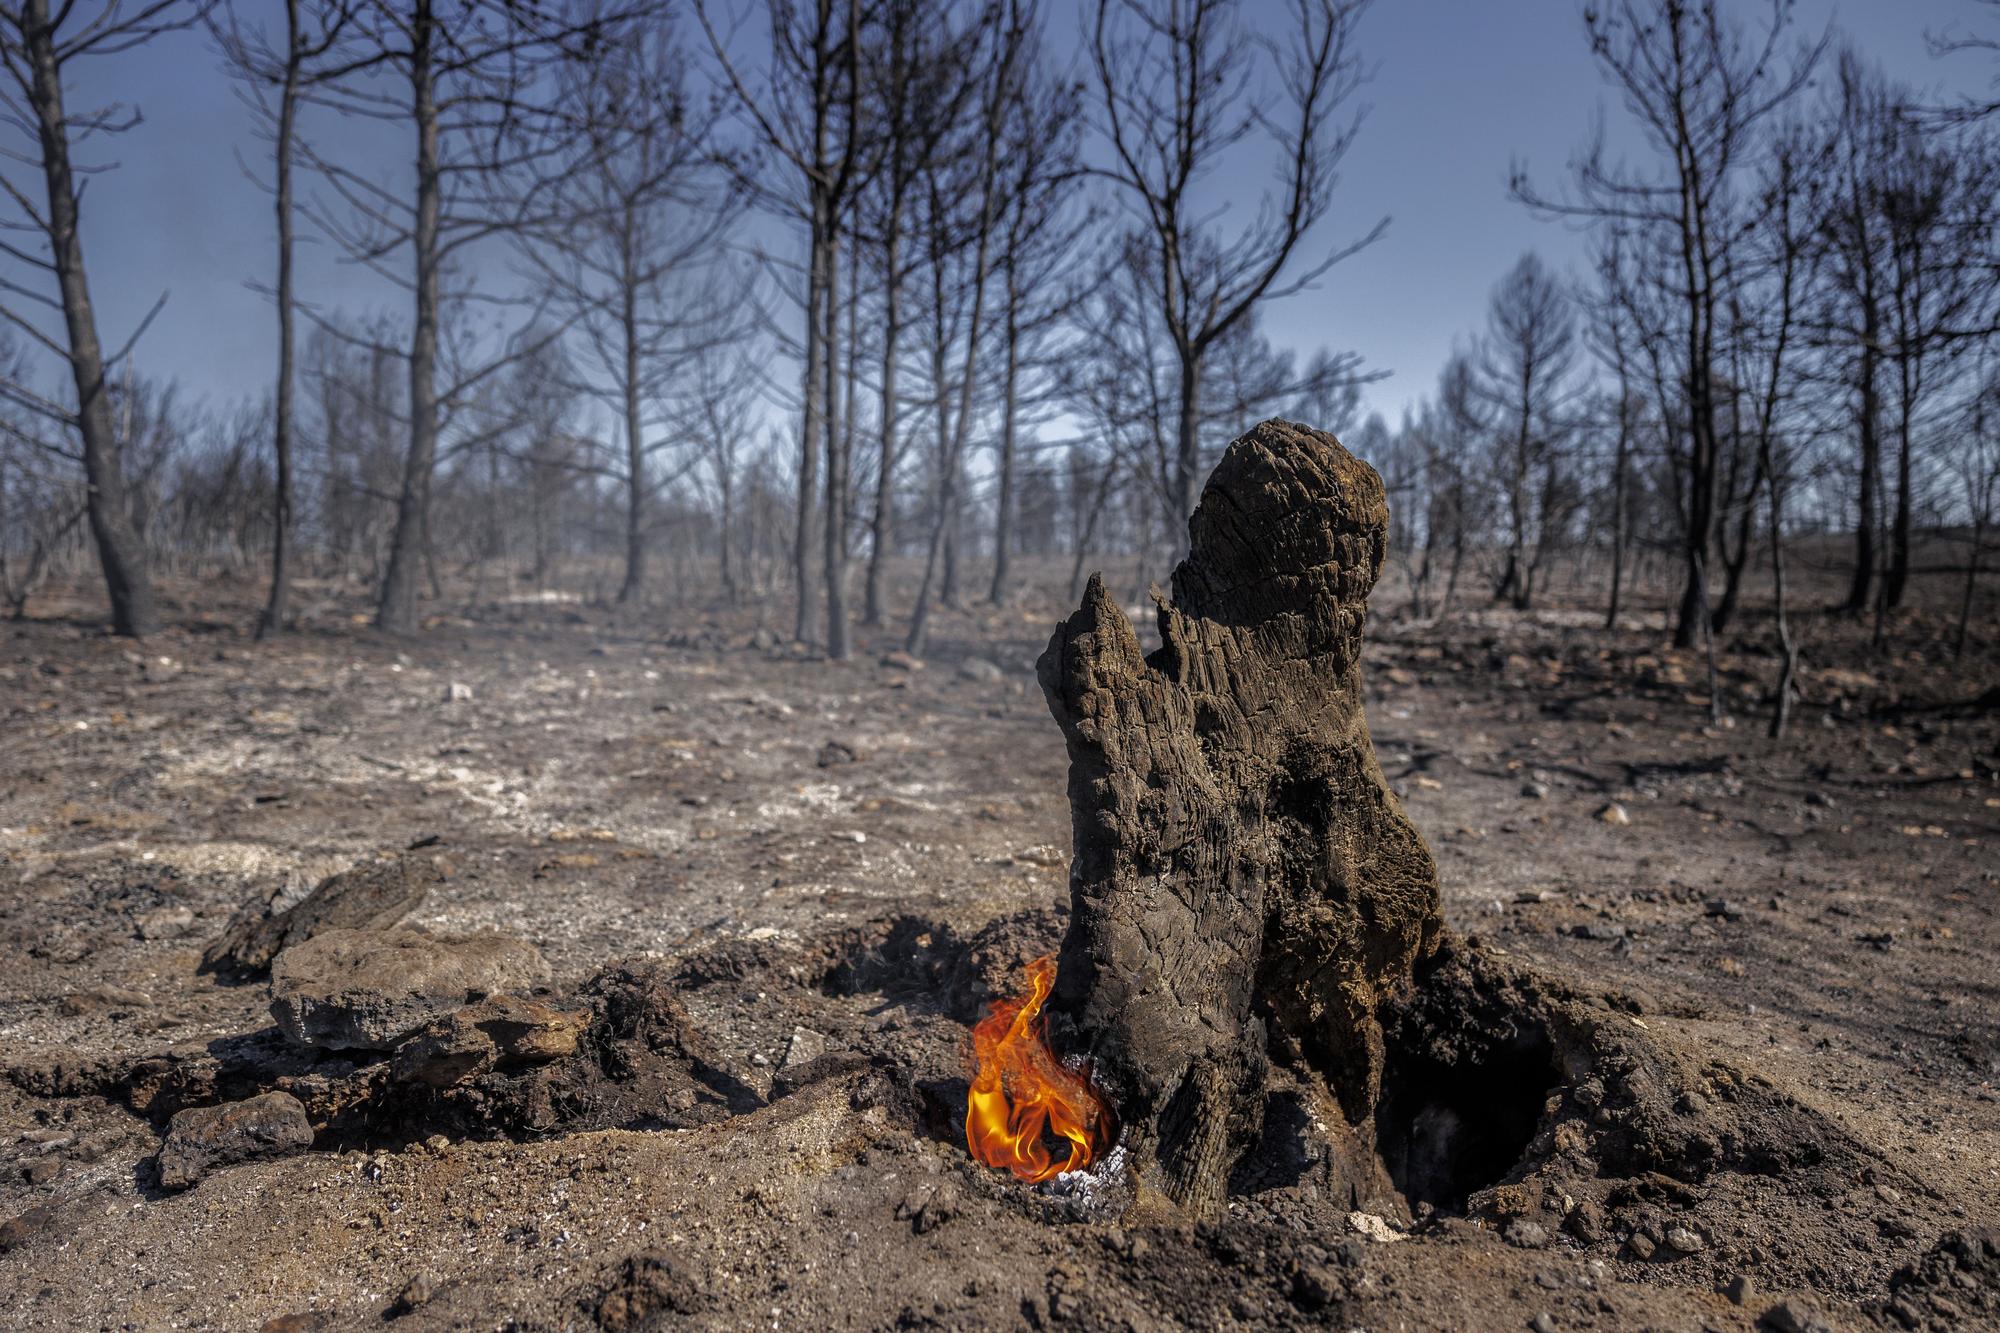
pixel 1246 888
pixel 120 550
pixel 396 612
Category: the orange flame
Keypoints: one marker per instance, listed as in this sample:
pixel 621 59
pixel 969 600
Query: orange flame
pixel 1020 1093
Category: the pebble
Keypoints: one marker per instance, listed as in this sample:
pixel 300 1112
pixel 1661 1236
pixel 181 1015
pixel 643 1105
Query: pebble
pixel 1741 1290
pixel 1614 814
pixel 21 1228
pixel 1543 1323
pixel 419 1290
pixel 166 923
pixel 835 753
pixel 1373 1227
pixel 1641 1245
pixel 1683 1241
pixel 1528 1235
pixel 1792 1317
pixel 1535 791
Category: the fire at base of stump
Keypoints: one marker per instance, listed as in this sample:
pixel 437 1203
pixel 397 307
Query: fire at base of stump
pixel 1256 980
pixel 1021 1095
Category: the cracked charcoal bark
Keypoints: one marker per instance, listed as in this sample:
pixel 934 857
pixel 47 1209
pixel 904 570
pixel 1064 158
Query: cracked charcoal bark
pixel 1244 881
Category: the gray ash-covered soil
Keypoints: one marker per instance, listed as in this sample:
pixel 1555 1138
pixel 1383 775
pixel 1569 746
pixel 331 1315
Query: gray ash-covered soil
pixel 1733 1058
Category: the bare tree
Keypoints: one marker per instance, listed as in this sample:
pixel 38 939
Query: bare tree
pixel 1183 83
pixel 1766 304
pixel 473 82
pixel 633 249
pixel 313 32
pixel 1697 87
pixel 807 115
pixel 1621 405
pixel 1977 464
pixel 1524 371
pixel 1940 201
pixel 1042 231
pixel 918 89
pixel 1849 317
pixel 42 50
pixel 41 498
pixel 960 217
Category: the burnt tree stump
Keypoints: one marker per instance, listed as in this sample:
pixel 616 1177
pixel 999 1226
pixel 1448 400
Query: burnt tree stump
pixel 1246 889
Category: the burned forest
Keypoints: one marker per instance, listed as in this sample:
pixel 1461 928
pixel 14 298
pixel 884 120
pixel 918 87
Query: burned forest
pixel 997 664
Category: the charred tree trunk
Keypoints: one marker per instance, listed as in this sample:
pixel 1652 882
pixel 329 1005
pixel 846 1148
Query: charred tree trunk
pixel 882 524
pixel 1247 892
pixel 276 605
pixel 396 609
pixel 1862 583
pixel 635 444
pixel 121 548
pixel 1003 516
pixel 1619 534
pixel 809 428
pixel 1897 577
pixel 839 442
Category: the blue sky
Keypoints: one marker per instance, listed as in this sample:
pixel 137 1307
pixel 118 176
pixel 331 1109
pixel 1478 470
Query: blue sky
pixel 1461 87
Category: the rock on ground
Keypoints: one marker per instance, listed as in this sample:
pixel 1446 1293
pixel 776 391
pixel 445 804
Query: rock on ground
pixel 502 1032
pixel 205 1137
pixel 366 990
pixel 373 895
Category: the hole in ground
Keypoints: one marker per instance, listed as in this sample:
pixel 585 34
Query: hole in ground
pixel 1468 1074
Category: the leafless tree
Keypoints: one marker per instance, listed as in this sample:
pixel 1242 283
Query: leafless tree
pixel 313 32
pixel 960 220
pixel 632 253
pixel 1977 463
pixel 1620 405
pixel 43 49
pixel 1940 200
pixel 1525 367
pixel 1848 318
pixel 1766 302
pixel 806 114
pixel 1697 87
pixel 473 82
pixel 918 86
pixel 1184 85
pixel 1045 226
pixel 719 400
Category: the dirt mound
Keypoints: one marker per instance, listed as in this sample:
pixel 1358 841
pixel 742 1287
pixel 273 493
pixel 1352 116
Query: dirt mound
pixel 1956 1285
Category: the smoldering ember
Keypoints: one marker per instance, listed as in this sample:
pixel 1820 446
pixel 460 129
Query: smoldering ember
pixel 993 664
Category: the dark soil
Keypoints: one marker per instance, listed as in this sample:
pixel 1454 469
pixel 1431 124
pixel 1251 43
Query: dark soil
pixel 1746 1042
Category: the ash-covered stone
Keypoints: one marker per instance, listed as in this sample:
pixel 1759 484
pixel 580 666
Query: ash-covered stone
pixel 503 1032
pixel 366 990
pixel 373 895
